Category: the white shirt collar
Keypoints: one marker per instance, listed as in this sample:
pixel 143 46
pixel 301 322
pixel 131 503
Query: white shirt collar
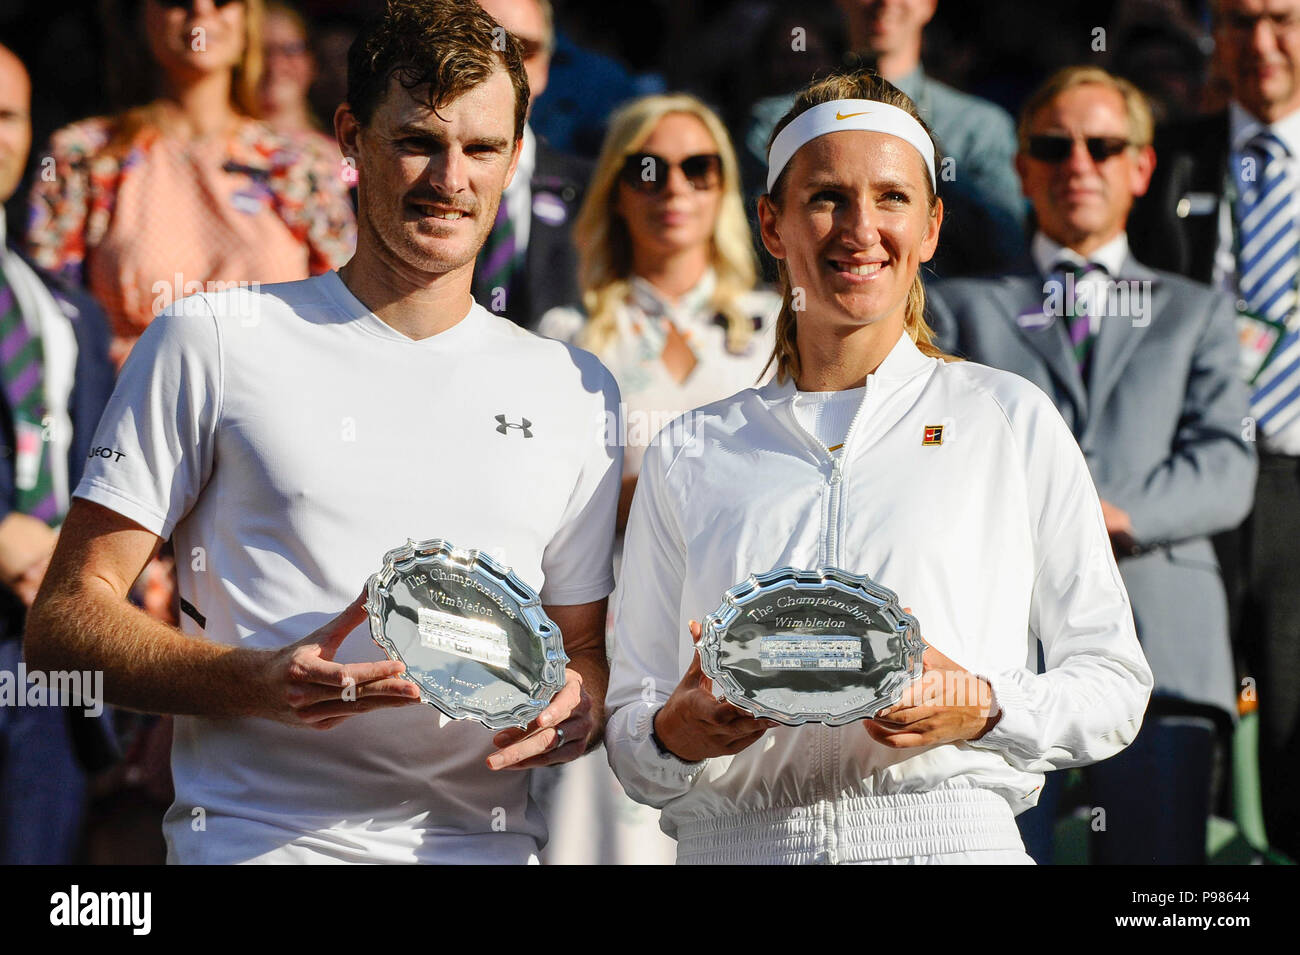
pixel 527 163
pixel 903 362
pixel 1047 252
pixel 653 302
pixel 1242 127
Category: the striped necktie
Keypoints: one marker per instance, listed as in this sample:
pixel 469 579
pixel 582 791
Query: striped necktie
pixel 496 263
pixel 22 365
pixel 1268 264
pixel 1268 258
pixel 1078 321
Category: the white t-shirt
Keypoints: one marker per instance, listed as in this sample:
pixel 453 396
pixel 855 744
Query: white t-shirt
pixel 288 439
pixel 828 415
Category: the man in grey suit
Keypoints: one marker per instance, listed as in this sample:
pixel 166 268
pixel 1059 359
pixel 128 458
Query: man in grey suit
pixel 1143 367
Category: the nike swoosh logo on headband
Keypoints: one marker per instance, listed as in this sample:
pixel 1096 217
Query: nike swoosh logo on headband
pixel 839 115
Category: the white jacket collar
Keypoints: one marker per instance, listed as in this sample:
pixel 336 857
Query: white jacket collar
pixel 903 362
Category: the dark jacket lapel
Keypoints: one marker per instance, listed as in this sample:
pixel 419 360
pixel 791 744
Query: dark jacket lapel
pixel 1024 309
pixel 93 378
pixel 1119 334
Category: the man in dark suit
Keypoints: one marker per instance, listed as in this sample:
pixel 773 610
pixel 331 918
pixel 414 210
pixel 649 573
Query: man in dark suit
pixel 528 263
pixel 56 379
pixel 1142 365
pixel 1224 207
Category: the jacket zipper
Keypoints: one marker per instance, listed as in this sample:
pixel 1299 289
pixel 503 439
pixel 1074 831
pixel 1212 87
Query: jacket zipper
pixel 830 555
pixel 833 551
pixel 831 769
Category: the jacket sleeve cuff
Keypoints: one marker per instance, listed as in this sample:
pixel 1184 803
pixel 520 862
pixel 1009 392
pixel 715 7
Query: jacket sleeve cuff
pixel 649 775
pixel 1015 725
pixel 666 761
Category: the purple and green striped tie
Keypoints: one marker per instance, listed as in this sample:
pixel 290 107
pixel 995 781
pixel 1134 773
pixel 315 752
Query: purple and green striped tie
pixel 22 365
pixel 496 262
pixel 1079 323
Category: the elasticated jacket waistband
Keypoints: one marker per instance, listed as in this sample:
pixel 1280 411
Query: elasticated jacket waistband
pixel 855 829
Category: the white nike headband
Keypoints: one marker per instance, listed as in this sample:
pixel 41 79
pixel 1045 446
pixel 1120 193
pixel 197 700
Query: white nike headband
pixel 842 114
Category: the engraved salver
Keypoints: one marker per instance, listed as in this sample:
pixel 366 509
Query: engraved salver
pixel 473 636
pixel 811 646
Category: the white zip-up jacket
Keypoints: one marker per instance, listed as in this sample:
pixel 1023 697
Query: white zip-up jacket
pixel 994 538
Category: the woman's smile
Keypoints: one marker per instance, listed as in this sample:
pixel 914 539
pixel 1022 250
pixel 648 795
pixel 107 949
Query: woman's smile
pixel 857 271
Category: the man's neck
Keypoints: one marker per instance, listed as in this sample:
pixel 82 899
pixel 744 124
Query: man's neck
pixel 839 359
pixel 897 64
pixel 1087 245
pixel 417 304
pixel 1270 113
pixel 675 274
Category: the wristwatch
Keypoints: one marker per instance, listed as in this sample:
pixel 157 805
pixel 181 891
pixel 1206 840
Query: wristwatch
pixel 664 751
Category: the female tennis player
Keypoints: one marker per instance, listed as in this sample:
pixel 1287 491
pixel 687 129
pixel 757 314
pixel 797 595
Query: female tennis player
pixel 955 485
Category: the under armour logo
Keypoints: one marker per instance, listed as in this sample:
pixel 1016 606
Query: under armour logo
pixel 524 424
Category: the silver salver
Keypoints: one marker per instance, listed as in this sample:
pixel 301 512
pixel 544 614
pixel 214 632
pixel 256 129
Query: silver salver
pixel 473 636
pixel 811 646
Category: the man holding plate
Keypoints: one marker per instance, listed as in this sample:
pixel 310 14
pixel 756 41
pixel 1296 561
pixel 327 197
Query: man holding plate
pixel 288 438
pixel 955 486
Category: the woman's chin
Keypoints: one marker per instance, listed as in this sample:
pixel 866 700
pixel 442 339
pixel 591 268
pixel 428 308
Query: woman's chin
pixel 859 308
pixel 189 62
pixel 670 242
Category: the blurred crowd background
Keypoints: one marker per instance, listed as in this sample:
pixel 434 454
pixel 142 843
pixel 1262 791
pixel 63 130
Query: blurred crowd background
pixel 150 166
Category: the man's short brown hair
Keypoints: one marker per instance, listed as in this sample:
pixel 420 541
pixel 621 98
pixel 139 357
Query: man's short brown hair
pixel 1141 127
pixel 450 46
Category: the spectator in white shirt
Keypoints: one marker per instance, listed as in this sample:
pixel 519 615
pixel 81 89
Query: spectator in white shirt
pixel 667 270
pixel 668 275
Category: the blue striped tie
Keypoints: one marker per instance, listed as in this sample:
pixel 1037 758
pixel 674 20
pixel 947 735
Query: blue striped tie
pixel 1268 263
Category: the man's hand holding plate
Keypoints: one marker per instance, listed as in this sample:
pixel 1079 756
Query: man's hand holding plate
pixel 305 687
pixel 560 733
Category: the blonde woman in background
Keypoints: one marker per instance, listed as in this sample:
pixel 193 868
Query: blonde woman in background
pixel 667 269
pixel 185 187
pixel 668 273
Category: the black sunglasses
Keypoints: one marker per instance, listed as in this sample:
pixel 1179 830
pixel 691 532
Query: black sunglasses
pixel 1057 148
pixel 648 173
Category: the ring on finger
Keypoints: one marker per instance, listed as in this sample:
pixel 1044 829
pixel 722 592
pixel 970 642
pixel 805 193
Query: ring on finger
pixel 559 738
